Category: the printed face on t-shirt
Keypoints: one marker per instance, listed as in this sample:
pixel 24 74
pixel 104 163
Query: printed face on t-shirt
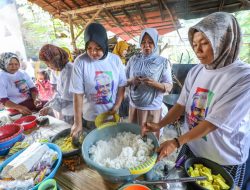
pixel 104 87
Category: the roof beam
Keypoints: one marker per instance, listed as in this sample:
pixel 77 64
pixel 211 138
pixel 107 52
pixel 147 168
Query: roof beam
pixel 144 20
pixel 91 20
pixel 104 5
pixel 161 9
pixel 117 22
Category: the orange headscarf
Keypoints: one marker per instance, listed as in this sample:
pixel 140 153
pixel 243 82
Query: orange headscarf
pixel 119 48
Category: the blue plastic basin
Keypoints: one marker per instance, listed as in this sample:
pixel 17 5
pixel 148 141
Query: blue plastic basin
pixel 55 166
pixel 110 174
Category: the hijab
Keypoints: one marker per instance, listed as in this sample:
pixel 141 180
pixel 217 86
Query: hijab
pixel 71 59
pixel 223 32
pixel 119 48
pixel 55 55
pixel 97 33
pixel 152 66
pixel 5 60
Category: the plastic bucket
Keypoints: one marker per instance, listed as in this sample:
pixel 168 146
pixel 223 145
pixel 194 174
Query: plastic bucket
pixel 49 184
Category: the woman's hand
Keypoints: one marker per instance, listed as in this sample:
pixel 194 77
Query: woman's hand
pixel 38 103
pixel 148 81
pixel 24 110
pixel 166 148
pixel 134 81
pixel 150 127
pixel 44 111
pixel 76 130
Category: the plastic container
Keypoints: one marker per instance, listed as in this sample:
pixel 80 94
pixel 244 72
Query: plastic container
pixel 49 184
pixel 9 131
pixel 54 168
pixel 5 150
pixel 110 174
pixel 14 133
pixel 106 119
pixel 216 169
pixel 134 187
pixel 28 122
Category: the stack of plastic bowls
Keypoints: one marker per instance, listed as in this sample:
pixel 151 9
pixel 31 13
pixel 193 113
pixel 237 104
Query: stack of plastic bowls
pixel 9 135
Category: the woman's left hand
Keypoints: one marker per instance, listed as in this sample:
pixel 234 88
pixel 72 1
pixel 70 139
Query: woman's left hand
pixel 166 148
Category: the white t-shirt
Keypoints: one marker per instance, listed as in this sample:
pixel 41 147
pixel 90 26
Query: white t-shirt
pixel 63 93
pixel 221 97
pixel 15 86
pixel 98 81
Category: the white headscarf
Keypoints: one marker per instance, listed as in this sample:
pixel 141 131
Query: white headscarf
pixel 223 32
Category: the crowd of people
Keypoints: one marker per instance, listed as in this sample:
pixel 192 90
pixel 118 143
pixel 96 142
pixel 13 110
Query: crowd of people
pixel 214 98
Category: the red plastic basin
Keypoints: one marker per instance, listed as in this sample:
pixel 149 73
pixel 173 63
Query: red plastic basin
pixel 27 122
pixel 9 131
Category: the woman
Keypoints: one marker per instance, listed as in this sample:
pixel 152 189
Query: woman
pixel 149 77
pixel 215 98
pixel 121 49
pixel 57 60
pixel 98 80
pixel 17 93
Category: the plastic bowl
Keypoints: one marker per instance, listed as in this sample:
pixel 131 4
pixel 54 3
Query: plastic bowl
pixel 5 150
pixel 49 184
pixel 27 122
pixel 9 131
pixel 110 174
pixel 65 133
pixel 104 119
pixel 54 168
pixel 216 169
pixel 134 187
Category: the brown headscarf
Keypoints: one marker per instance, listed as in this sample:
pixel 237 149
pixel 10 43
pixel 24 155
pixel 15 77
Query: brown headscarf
pixel 55 55
pixel 223 32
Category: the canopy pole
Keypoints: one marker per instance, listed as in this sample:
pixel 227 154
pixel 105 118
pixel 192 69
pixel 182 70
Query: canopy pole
pixel 71 27
pixel 91 20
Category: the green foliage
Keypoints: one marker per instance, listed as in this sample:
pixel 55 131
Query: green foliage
pixel 243 18
pixel 39 28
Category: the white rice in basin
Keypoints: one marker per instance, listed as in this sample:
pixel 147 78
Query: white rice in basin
pixel 126 150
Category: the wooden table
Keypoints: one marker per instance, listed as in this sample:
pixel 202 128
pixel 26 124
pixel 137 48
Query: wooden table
pixel 82 179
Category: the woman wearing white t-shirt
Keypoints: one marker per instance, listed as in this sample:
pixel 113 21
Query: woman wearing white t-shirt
pixel 57 60
pixel 215 99
pixel 18 92
pixel 97 82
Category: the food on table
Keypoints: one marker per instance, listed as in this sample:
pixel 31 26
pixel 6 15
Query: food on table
pixel 126 150
pixel 65 144
pixel 213 182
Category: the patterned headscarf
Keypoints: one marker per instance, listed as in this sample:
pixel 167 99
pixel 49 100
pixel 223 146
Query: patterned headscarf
pixel 119 48
pixel 223 32
pixel 55 55
pixel 5 59
pixel 97 33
